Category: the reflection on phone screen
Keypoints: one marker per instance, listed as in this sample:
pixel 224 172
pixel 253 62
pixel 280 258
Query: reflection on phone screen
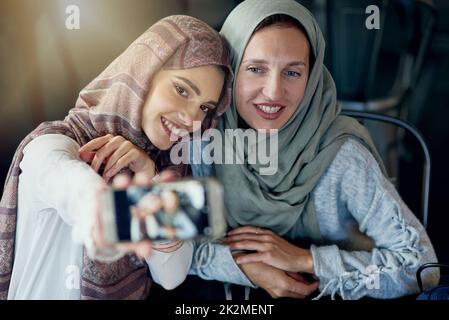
pixel 171 211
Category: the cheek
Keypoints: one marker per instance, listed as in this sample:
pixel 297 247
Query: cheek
pixel 298 92
pixel 246 90
pixel 201 117
pixel 146 114
pixel 152 110
pixel 159 103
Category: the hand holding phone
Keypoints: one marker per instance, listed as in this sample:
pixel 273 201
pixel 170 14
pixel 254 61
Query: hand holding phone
pixel 164 211
pixel 142 248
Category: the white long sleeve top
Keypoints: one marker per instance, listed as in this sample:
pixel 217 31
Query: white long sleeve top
pixel 55 215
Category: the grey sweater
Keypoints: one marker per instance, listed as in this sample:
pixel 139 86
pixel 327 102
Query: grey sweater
pixel 373 243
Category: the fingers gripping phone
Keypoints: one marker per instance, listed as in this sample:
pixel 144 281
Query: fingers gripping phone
pixel 174 210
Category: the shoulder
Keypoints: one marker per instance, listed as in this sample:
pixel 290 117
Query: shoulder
pixel 353 158
pixel 354 153
pixel 47 150
pixel 352 166
pixel 51 142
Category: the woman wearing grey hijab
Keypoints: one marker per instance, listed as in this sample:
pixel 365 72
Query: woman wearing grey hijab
pixel 330 187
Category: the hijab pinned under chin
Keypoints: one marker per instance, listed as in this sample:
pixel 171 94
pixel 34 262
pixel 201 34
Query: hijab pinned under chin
pixel 308 142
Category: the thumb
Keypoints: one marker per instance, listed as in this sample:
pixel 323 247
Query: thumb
pixel 167 176
pixel 297 277
pixel 144 249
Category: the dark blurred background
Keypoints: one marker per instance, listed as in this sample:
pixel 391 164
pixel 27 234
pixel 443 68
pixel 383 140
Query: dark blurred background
pixel 400 69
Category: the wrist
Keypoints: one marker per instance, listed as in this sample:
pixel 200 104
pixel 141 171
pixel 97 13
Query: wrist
pixel 242 267
pixel 304 261
pixel 308 262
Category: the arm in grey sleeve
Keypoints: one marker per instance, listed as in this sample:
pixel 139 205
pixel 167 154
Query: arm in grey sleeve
pixel 401 244
pixel 214 261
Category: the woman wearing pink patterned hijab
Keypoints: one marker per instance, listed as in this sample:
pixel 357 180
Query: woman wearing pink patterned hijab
pixel 127 118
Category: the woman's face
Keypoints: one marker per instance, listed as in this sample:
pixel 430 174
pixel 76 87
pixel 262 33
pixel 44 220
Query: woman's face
pixel 272 77
pixel 170 202
pixel 176 99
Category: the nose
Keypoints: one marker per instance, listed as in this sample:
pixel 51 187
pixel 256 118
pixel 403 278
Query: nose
pixel 188 115
pixel 273 88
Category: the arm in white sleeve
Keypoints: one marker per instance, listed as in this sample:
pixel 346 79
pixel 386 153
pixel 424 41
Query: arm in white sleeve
pixel 67 184
pixel 170 269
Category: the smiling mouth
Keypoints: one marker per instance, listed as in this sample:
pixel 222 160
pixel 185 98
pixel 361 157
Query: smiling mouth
pixel 269 112
pixel 172 129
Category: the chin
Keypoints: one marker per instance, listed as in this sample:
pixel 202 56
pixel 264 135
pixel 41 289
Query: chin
pixel 266 126
pixel 163 145
pixel 159 143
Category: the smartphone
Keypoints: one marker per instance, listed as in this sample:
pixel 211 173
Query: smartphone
pixel 178 210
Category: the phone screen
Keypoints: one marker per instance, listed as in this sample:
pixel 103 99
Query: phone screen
pixel 176 210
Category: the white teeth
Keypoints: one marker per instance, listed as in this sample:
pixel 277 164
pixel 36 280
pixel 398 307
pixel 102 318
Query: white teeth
pixel 268 109
pixel 172 127
pixel 176 131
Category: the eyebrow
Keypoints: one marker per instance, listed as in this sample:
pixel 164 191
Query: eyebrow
pixel 213 103
pixel 261 61
pixel 190 84
pixel 197 90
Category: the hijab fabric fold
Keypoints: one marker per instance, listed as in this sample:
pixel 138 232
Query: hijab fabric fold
pixel 308 142
pixel 112 104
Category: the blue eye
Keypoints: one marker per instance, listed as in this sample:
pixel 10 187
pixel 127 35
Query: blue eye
pixel 181 91
pixel 254 70
pixel 291 73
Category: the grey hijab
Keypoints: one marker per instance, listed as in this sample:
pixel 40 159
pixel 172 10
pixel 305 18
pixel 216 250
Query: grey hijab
pixel 308 142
